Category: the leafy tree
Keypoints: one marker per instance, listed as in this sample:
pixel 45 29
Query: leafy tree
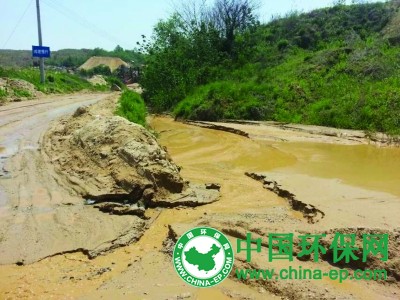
pixel 118 49
pixel 187 49
pixel 231 17
pixel 179 59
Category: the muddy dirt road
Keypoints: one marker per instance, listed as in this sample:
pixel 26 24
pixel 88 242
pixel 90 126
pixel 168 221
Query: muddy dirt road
pixel 39 217
pixel 352 183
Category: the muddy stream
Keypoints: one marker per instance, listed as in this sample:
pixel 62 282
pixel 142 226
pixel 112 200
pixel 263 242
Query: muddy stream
pixel 140 271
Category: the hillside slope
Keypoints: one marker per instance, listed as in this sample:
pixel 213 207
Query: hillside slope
pixel 334 66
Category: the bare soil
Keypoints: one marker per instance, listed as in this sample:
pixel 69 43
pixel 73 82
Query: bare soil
pixel 112 62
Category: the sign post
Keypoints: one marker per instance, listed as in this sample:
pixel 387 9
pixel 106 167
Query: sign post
pixel 42 76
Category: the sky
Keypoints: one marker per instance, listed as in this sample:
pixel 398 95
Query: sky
pixel 102 23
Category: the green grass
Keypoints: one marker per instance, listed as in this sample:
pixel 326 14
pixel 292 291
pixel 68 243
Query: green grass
pixel 3 95
pixel 22 93
pixel 308 89
pixel 56 82
pixel 131 107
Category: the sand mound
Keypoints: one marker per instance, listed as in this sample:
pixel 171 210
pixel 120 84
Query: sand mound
pixel 109 160
pixel 112 62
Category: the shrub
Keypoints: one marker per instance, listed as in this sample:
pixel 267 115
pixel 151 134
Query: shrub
pixel 115 80
pixel 21 93
pixel 282 44
pixel 131 107
pixel 3 95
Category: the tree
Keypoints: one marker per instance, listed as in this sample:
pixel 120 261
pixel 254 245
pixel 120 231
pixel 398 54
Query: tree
pixel 228 17
pixel 179 59
pixel 231 17
pixel 187 49
pixel 118 49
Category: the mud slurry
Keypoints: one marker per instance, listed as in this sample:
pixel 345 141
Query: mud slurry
pixel 326 206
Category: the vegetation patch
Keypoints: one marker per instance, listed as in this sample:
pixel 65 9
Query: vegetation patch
pixel 131 107
pixel 3 95
pixel 20 93
pixel 56 82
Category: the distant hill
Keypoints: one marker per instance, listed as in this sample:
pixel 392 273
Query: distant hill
pixel 23 58
pixel 112 62
pixel 69 58
pixel 15 58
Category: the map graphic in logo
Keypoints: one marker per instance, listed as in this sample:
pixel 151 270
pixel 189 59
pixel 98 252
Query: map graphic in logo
pixel 203 257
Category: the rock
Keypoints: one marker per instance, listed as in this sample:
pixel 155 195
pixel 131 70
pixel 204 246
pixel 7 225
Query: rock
pixel 120 209
pixel 115 88
pixel 213 186
pixel 80 111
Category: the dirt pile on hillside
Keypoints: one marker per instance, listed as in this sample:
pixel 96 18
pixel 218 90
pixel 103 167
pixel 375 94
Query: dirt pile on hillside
pixel 112 62
pixel 97 80
pixel 118 165
pixel 17 89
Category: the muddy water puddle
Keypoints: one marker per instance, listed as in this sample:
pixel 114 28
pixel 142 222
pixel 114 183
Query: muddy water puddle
pixel 365 166
pixel 215 156
pixel 221 156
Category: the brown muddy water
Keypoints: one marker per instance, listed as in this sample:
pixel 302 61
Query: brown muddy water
pixel 365 166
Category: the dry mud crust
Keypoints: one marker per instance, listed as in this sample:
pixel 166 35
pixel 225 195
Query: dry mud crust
pixel 40 215
pixel 333 203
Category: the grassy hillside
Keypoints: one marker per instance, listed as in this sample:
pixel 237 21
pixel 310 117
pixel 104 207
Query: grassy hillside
pixel 56 82
pixel 334 66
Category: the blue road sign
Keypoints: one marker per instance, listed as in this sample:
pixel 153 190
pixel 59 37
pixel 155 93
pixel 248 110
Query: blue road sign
pixel 40 51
